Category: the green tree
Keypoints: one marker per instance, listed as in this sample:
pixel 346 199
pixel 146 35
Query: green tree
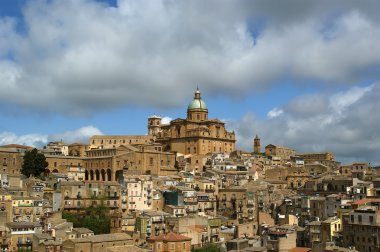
pixel 207 248
pixel 95 218
pixel 34 163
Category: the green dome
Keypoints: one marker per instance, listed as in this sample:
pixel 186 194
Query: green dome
pixel 197 104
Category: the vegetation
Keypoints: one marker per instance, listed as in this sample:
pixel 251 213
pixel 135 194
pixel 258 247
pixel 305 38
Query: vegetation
pixel 207 248
pixel 93 218
pixel 34 163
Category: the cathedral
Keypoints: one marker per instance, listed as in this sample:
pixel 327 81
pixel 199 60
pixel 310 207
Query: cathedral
pixel 197 134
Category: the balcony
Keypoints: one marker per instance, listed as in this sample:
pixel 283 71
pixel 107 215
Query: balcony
pixel 113 197
pixel 191 211
pixel 158 220
pixel 190 200
pixel 70 207
pixel 25 204
pixel 210 190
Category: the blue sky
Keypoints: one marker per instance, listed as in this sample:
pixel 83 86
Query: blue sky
pixel 303 74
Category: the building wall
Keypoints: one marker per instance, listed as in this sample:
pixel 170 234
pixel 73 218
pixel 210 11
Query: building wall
pixel 61 164
pixel 10 161
pixel 109 141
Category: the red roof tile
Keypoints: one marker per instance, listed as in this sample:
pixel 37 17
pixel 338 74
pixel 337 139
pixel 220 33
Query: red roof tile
pixel 16 146
pixel 170 237
pixel 364 201
pixel 299 249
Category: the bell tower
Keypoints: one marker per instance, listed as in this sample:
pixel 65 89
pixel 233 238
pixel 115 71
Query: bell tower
pixel 154 123
pixel 256 145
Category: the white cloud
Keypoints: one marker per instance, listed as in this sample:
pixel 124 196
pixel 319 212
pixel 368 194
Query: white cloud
pixel 79 135
pixel 342 100
pixel 346 125
pixel 82 56
pixel 39 140
pixel 166 120
pixel 275 112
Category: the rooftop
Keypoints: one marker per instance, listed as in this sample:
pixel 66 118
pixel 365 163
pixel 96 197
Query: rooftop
pixel 170 237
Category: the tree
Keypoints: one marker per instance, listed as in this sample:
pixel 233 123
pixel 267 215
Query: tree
pixel 95 218
pixel 34 163
pixel 207 248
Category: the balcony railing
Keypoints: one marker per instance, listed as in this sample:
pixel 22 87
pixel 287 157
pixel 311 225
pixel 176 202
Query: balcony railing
pixel 189 210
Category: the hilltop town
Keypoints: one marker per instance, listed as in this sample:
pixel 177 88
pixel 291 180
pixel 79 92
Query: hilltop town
pixel 185 187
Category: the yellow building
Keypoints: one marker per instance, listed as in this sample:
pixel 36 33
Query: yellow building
pixel 197 134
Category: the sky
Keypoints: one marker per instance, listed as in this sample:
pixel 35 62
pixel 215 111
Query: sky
pixel 301 74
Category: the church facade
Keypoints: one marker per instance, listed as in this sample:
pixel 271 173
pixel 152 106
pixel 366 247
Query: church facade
pixel 197 134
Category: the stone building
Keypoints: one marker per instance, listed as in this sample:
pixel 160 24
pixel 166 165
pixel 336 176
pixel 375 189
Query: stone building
pixel 197 134
pixel 78 195
pixel 11 159
pixel 279 151
pixel 110 141
pixel 361 229
pixel 316 156
pixel 97 243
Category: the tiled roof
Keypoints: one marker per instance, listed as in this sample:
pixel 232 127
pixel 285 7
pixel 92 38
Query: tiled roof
pixel 299 249
pixel 364 201
pixel 170 237
pixel 16 146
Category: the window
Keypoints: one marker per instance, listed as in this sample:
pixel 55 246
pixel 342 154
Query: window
pixel 371 219
pixel 360 218
pixel 151 161
pixel 159 245
pixel 172 245
pixel 184 245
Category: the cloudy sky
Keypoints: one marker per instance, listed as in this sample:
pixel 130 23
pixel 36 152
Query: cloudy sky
pixel 304 74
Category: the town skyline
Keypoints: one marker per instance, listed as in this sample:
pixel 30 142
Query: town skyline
pixel 254 75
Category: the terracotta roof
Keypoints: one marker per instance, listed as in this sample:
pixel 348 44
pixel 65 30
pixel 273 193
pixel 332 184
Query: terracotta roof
pixel 364 201
pixel 299 249
pixel 16 146
pixel 170 237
